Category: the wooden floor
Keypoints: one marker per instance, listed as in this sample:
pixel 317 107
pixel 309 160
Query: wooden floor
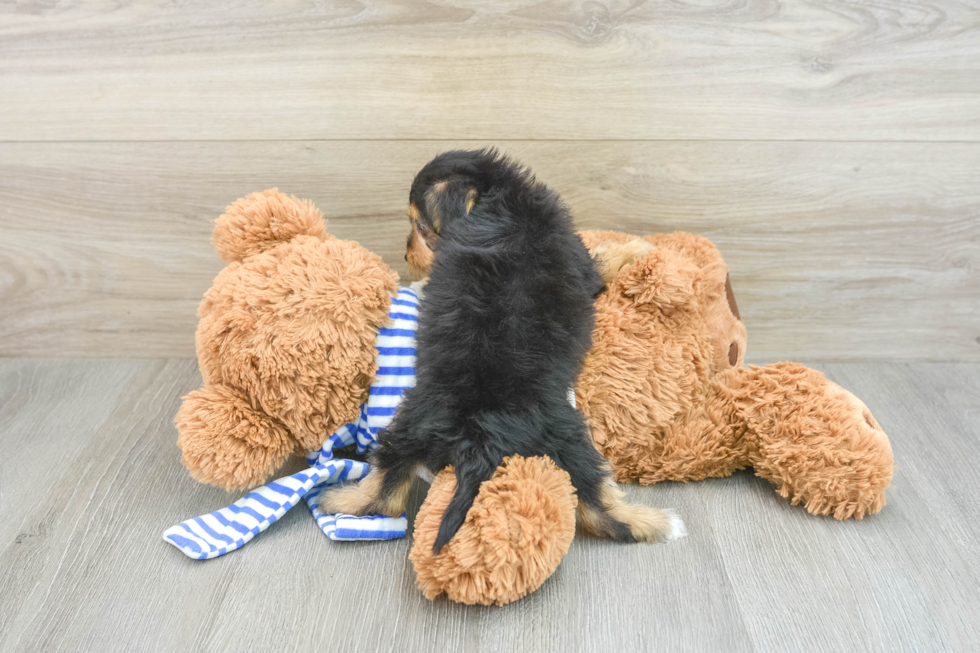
pixel 90 476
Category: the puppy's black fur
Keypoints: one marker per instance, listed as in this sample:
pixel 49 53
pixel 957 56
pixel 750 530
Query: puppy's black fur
pixel 504 325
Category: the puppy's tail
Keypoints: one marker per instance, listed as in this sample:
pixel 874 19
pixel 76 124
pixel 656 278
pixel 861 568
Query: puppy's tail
pixel 471 471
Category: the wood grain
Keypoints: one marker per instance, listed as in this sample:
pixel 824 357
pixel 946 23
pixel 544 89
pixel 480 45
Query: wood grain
pixel 837 250
pixel 928 518
pixel 552 69
pixel 90 477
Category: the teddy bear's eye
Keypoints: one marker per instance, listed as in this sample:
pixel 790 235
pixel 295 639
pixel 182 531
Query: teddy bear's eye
pixel 730 296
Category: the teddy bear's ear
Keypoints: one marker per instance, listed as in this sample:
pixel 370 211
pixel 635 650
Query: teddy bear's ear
pixel 260 221
pixel 664 278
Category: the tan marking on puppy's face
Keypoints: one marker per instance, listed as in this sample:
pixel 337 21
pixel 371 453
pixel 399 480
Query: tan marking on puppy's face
pixel 420 249
pixel 418 254
pixel 432 210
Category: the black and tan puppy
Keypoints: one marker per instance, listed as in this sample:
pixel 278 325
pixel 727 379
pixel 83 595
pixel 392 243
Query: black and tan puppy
pixel 504 326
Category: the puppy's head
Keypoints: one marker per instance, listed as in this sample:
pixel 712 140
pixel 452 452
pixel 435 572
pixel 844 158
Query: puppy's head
pixel 445 190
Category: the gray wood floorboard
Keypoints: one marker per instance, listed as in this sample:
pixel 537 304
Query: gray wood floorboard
pixel 90 476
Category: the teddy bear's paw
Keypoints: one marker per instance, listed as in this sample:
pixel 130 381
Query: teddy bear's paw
pixel 228 442
pixel 519 528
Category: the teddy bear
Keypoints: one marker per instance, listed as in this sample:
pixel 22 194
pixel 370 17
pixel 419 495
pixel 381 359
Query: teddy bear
pixel 287 349
pixel 668 397
pixel 285 341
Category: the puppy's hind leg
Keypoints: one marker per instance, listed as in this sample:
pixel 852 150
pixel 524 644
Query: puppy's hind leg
pixel 384 491
pixel 603 509
pixel 644 523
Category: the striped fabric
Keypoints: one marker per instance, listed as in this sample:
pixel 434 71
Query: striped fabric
pixel 219 532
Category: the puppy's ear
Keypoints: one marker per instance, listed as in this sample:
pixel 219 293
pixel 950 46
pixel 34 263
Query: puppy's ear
pixel 449 200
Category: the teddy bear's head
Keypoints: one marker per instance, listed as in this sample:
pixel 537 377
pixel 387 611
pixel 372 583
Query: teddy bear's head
pixel 285 340
pixel 666 326
pixel 713 306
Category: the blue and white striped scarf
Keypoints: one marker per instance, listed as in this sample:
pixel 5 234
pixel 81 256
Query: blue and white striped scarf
pixel 219 532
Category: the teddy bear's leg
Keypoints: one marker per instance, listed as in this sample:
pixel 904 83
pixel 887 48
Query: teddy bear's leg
pixel 815 440
pixel 228 442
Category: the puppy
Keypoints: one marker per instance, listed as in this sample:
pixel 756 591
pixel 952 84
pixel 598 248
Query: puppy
pixel 504 325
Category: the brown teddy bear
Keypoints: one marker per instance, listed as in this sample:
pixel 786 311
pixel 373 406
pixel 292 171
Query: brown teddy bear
pixel 285 341
pixel 286 346
pixel 668 398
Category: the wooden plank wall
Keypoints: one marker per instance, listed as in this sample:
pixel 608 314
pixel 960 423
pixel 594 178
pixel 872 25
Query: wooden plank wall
pixel 831 149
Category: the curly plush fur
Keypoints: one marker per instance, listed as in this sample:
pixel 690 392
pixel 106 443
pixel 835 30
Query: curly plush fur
pixel 670 346
pixel 519 528
pixel 285 340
